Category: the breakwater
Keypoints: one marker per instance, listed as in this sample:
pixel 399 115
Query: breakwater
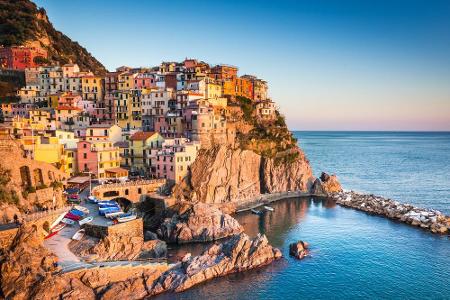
pixel 428 219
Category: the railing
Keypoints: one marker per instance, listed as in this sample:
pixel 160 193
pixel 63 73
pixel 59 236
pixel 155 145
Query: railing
pixel 41 214
pixel 252 202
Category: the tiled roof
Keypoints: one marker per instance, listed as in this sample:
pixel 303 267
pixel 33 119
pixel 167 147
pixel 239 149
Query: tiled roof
pixel 141 135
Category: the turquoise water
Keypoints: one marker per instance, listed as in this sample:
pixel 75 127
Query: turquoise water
pixel 354 255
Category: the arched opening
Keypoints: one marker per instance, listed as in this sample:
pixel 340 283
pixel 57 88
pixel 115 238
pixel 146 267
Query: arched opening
pixel 50 176
pixel 108 194
pixel 37 177
pixel 124 203
pixel 46 226
pixel 25 176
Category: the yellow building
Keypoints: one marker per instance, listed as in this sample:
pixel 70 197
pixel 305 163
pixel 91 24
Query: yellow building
pixel 53 100
pixel 69 161
pixel 140 145
pixel 213 89
pixel 92 88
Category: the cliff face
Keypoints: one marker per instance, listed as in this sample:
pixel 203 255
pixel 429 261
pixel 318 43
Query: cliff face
pixel 22 23
pixel 223 174
pixel 26 185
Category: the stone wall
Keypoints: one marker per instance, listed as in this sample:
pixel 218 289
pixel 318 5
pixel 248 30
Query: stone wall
pixel 131 228
pixel 132 191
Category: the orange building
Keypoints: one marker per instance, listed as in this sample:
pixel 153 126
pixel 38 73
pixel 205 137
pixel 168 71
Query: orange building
pixel 20 58
pixel 244 87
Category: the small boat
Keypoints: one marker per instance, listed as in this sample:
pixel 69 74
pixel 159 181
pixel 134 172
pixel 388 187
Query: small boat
pixel 85 220
pixel 108 205
pixel 55 230
pixel 76 212
pixel 72 216
pixel 78 235
pixel 108 210
pixel 125 218
pixel 256 212
pixel 269 208
pixel 81 208
pixel 106 202
pixel 68 221
pixel 92 199
pixel 113 214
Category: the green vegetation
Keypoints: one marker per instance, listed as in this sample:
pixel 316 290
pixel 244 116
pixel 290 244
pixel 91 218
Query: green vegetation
pixel 246 105
pixel 21 21
pixel 57 185
pixel 7 195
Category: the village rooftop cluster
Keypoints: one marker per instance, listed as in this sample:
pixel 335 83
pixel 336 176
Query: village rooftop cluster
pixel 148 122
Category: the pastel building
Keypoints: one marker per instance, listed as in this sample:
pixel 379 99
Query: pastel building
pixel 173 160
pixel 141 145
pixel 100 158
pixel 103 132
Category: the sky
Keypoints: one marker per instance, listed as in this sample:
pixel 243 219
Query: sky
pixel 331 65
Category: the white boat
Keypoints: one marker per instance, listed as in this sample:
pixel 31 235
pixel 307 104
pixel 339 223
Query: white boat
pixel 256 212
pixel 268 208
pixel 85 220
pixel 113 214
pixel 126 218
pixel 78 235
pixel 68 221
pixel 81 208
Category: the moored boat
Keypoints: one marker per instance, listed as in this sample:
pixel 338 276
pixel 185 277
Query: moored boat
pixel 107 210
pixel 77 212
pixel 68 221
pixel 92 199
pixel 268 208
pixel 55 230
pixel 81 208
pixel 125 218
pixel 72 216
pixel 113 214
pixel 85 220
pixel 78 235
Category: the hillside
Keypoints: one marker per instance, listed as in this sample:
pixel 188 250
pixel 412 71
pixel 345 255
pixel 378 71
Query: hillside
pixel 23 23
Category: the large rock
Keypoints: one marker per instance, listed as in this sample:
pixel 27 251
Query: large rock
pixel 125 247
pixel 299 249
pixel 199 223
pixel 26 263
pixel 225 174
pixel 238 254
pixel 330 183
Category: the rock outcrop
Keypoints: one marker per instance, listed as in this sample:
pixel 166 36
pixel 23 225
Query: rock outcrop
pixel 299 249
pixel 25 264
pixel 428 219
pixel 125 247
pixel 238 254
pixel 325 185
pixel 199 222
pixel 223 174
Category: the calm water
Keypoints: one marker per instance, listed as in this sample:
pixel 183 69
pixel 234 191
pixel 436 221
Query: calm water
pixel 354 255
pixel 406 166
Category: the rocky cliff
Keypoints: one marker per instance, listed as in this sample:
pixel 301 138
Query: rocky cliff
pixel 262 158
pixel 22 23
pixel 198 223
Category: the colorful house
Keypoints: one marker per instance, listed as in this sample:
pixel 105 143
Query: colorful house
pixel 141 145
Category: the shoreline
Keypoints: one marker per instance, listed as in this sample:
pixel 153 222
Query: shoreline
pixel 428 219
pixel 431 220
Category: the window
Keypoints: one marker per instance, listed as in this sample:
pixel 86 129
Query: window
pixel 126 192
pixel 84 145
pixel 84 155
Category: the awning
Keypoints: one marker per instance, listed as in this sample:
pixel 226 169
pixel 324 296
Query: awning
pixel 78 180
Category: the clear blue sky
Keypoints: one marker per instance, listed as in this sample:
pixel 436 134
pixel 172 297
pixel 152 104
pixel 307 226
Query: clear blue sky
pixel 331 65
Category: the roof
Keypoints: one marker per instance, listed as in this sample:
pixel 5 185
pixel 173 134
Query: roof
pixel 100 126
pixel 121 144
pixel 142 135
pixel 78 179
pixel 67 108
pixel 117 170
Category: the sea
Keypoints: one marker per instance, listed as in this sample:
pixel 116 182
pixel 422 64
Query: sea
pixel 353 255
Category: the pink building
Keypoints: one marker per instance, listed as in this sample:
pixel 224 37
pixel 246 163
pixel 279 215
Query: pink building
pixel 86 158
pixel 145 81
